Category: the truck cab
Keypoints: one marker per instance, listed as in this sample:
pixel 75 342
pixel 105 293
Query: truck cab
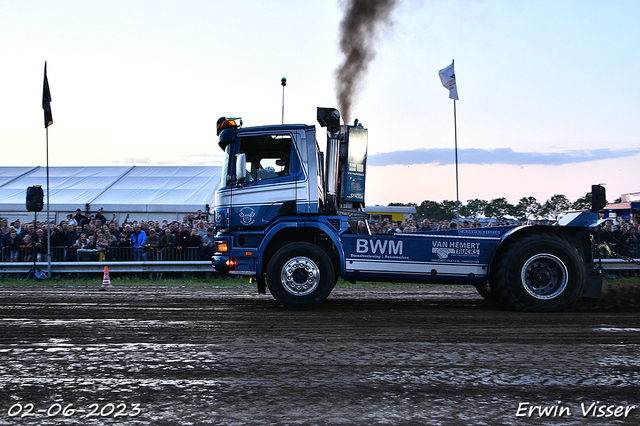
pixel 267 172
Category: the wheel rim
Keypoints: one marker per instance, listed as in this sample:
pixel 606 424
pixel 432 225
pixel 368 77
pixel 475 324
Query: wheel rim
pixel 300 276
pixel 544 276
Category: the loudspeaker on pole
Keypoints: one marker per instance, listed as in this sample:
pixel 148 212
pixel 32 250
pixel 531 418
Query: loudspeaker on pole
pixel 35 198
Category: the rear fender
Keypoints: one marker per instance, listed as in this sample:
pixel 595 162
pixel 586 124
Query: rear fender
pixel 520 231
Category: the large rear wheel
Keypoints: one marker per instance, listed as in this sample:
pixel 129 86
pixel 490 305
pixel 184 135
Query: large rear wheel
pixel 300 275
pixel 539 272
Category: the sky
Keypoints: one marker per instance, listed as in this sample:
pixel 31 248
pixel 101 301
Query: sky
pixel 549 91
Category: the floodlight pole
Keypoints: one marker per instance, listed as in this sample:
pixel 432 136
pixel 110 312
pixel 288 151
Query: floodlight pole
pixel 284 83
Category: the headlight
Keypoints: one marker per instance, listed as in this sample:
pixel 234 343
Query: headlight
pixel 220 246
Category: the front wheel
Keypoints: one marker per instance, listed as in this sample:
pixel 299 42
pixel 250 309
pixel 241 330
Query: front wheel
pixel 300 275
pixel 539 272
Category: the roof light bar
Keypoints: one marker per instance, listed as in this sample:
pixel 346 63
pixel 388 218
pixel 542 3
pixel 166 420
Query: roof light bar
pixel 228 123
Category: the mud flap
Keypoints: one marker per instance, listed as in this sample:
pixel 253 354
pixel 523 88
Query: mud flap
pixel 262 285
pixel 593 285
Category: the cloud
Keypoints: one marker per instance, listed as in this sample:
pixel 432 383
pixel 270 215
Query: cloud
pixel 444 156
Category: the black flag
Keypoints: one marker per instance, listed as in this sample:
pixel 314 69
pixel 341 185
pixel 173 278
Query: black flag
pixel 46 100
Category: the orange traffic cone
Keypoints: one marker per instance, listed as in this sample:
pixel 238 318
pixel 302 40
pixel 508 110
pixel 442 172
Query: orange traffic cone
pixel 106 281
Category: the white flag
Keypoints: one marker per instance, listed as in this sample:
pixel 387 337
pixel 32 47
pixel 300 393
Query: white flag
pixel 448 78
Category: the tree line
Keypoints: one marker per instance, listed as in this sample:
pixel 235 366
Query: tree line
pixel 528 208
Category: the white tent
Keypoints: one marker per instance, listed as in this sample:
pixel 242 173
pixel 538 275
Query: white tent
pixel 144 192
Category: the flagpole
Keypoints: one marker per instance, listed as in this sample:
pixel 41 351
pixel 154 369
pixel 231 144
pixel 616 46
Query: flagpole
pixel 455 132
pixel 48 220
pixel 448 79
pixel 48 120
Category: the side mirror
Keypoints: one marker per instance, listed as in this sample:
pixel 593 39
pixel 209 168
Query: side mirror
pixel 241 168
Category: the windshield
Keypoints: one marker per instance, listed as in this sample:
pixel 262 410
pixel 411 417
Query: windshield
pixel 225 167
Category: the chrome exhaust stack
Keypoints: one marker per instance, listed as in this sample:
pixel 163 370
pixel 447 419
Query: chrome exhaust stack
pixel 330 118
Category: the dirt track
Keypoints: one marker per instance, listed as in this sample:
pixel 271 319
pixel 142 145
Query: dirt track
pixel 366 356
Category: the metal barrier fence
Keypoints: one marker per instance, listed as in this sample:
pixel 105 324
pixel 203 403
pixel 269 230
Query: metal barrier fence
pixel 619 265
pixel 120 254
pixel 183 266
pixel 150 267
pixel 119 259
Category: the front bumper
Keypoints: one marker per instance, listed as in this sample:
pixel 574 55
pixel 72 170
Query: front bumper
pixel 234 261
pixel 220 263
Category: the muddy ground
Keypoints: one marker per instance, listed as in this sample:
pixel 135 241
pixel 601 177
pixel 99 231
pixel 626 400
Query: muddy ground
pixel 367 356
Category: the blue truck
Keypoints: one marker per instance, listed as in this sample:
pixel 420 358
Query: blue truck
pixel 286 216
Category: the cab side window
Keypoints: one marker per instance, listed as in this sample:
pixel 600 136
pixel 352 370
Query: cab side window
pixel 268 156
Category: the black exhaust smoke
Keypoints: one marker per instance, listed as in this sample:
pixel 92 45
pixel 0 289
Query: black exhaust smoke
pixel 359 29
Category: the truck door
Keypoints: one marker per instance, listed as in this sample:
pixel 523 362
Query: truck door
pixel 271 179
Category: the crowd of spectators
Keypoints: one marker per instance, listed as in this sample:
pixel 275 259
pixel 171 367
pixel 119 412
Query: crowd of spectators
pixel 192 239
pixel 87 234
pixel 623 238
pixel 411 225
